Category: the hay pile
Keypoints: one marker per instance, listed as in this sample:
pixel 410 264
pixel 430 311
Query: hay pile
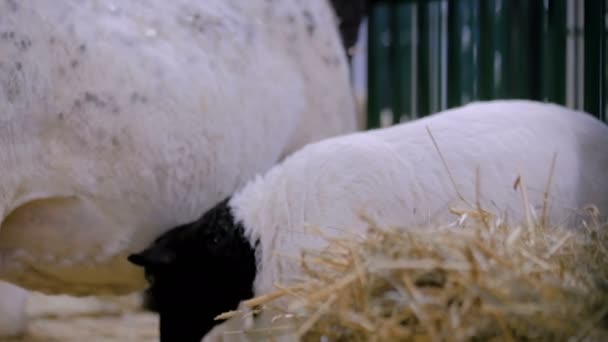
pixel 478 281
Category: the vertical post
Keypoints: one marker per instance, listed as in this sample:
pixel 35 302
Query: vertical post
pixel 605 64
pixel 379 61
pixel 424 63
pixel 594 68
pixel 463 17
pixel 494 49
pixel 571 43
pixel 534 31
pixel 486 22
pixel 473 81
pixel 453 55
pixel 524 56
pixel 404 50
pixel 553 60
pixel 502 69
pixel 434 38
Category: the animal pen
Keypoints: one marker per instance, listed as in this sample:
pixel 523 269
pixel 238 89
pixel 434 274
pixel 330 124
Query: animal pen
pixel 499 283
pixel 428 55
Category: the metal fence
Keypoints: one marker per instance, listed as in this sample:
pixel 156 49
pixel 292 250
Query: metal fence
pixel 426 56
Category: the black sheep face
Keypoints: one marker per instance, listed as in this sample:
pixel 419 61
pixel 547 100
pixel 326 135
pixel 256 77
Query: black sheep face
pixel 197 271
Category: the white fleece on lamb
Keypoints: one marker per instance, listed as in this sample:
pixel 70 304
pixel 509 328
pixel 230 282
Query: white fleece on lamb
pixel 396 176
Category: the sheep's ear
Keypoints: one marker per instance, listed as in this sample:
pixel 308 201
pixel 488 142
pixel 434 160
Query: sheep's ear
pixel 152 257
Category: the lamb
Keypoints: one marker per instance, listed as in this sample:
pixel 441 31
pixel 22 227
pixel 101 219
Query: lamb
pixel 112 113
pixel 396 176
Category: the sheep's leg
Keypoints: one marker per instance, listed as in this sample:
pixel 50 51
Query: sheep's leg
pixel 12 310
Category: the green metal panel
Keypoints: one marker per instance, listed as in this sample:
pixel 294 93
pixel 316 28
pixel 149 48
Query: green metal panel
pixel 485 50
pixel 524 57
pixel 605 63
pixel 403 27
pixel 430 34
pixel 418 40
pixel 594 68
pixel 553 62
pixel 474 49
pixel 463 41
pixel 424 56
pixel 454 33
pixel 494 47
pixel 379 61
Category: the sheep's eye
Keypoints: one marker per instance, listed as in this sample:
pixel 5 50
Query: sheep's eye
pixel 214 240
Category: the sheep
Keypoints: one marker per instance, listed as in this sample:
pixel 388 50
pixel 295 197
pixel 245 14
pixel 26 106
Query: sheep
pixel 111 113
pixel 351 13
pixel 405 175
pixel 12 310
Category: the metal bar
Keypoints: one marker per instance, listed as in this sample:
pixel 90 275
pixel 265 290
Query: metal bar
pixel 486 69
pixel 605 64
pixel 494 49
pixel 533 78
pixel 444 54
pixel 571 43
pixel 594 18
pixel 580 54
pixel 453 55
pixel 463 42
pixel 379 60
pixel 424 56
pixel 524 53
pixel 502 69
pixel 404 49
pixel 474 50
pixel 433 14
pixel 553 60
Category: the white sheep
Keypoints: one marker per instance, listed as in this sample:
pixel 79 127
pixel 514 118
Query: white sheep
pixel 395 176
pixel 12 309
pixel 119 120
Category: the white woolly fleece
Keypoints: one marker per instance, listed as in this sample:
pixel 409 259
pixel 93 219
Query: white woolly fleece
pixel 396 177
pixel 120 120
